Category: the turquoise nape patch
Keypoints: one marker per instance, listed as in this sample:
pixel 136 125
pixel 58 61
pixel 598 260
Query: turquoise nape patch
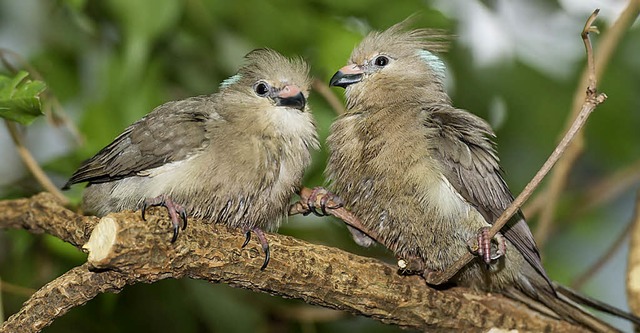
pixel 434 62
pixel 230 81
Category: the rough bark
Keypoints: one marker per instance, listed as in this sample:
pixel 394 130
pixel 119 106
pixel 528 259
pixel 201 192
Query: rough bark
pixel 126 250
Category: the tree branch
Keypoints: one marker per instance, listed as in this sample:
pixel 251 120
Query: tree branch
pixel 324 91
pixel 31 163
pixel 126 250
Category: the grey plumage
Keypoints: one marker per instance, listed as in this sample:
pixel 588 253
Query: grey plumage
pixel 424 176
pixel 235 157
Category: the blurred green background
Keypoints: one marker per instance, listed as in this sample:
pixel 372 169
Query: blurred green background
pixel 515 63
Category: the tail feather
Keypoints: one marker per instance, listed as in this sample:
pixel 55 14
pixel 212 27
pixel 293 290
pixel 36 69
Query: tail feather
pixel 560 307
pixel 594 303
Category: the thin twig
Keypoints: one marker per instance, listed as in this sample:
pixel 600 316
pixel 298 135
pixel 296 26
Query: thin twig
pixel 558 179
pixel 332 208
pixel 579 281
pixel 324 91
pixel 607 189
pixel 15 289
pixel 595 195
pixel 592 100
pixel 535 205
pixel 32 164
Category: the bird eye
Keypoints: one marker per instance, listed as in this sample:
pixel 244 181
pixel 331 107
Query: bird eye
pixel 381 61
pixel 261 88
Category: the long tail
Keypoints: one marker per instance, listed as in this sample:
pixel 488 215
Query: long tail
pixel 594 303
pixel 559 306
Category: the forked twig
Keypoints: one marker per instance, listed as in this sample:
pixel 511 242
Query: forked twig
pixel 558 179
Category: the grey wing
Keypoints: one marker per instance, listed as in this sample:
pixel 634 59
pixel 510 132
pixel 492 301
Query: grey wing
pixel 171 132
pixel 462 142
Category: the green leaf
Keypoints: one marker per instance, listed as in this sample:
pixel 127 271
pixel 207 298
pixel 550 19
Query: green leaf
pixel 19 99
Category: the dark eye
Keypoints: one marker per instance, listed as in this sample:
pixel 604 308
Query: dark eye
pixel 381 61
pixel 261 88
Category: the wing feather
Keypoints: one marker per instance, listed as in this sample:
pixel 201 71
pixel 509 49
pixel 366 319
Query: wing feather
pixel 463 144
pixel 171 132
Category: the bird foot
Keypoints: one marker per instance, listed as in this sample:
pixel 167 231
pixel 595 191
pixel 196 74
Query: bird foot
pixel 263 242
pixel 320 197
pixel 176 212
pixel 482 245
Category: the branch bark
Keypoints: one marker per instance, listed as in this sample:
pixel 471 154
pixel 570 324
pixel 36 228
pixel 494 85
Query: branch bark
pixel 125 250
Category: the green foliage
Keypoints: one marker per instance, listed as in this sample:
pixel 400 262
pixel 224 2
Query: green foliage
pixel 19 100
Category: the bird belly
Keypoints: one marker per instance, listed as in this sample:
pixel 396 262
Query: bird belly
pixel 429 220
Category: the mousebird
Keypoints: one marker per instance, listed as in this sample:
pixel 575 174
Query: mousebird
pixel 234 157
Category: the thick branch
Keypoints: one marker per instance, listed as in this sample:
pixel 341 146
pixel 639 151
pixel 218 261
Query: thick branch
pixel 131 251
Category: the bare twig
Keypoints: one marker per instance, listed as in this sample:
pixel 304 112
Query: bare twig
pixel 324 91
pixel 32 164
pixel 533 206
pixel 593 99
pixel 608 188
pixel 633 264
pixel 11 288
pixel 140 252
pixel 340 212
pixel 595 195
pixel 579 281
pixel 560 175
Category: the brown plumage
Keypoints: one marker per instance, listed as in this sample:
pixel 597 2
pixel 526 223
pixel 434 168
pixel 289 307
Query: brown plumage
pixel 235 157
pixel 424 175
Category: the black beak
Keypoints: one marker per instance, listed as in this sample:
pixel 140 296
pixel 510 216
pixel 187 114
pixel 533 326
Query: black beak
pixel 341 79
pixel 296 101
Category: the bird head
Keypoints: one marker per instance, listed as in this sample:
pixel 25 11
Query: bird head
pixel 391 66
pixel 269 81
pixel 268 97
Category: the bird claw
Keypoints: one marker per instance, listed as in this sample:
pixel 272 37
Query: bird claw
pixel 247 238
pixel 263 242
pixel 176 212
pixel 320 197
pixel 482 245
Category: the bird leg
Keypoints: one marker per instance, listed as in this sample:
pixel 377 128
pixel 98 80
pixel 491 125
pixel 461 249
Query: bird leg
pixel 320 197
pixel 263 241
pixel 482 245
pixel 331 204
pixel 176 212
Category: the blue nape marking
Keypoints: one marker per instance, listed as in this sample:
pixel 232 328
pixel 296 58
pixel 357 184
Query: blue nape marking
pixel 434 62
pixel 230 81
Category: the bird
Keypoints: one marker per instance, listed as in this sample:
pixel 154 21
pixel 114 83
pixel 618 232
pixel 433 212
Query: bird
pixel 234 157
pixel 424 176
